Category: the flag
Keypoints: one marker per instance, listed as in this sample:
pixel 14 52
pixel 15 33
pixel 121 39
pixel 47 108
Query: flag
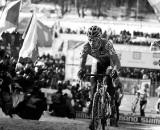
pixel 29 47
pixel 155 4
pixel 43 32
pixel 10 15
pixel 44 35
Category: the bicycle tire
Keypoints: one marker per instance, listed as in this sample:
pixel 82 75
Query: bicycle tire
pixel 96 111
pixel 106 112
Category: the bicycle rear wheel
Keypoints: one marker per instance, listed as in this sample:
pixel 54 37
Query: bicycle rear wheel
pixel 96 112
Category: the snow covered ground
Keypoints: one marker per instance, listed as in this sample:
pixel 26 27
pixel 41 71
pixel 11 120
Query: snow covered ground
pixel 46 123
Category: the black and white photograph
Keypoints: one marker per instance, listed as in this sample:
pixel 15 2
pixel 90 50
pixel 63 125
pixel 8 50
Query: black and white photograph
pixel 79 64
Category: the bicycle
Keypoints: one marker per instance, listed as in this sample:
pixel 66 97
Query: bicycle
pixel 134 105
pixel 102 107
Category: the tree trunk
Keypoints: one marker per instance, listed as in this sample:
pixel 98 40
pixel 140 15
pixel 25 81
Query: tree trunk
pixel 98 4
pixel 62 7
pixel 77 6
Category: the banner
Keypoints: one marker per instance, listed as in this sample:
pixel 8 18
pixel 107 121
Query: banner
pixel 131 86
pixel 10 15
pixel 138 119
pixel 126 118
pixel 139 59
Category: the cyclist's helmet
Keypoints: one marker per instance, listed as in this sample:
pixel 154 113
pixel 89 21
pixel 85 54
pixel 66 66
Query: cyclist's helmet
pixel 94 31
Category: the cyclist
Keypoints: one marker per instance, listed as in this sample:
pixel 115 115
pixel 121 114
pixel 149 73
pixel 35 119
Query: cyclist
pixel 103 51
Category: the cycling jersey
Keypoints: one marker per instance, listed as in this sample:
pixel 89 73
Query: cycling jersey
pixel 104 53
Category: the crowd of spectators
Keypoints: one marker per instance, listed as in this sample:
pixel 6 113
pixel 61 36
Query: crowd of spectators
pixel 124 37
pixel 11 42
pixel 45 72
pixel 49 72
pixel 140 73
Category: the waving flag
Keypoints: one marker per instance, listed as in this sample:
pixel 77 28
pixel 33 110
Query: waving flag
pixel 10 15
pixel 44 35
pixel 29 47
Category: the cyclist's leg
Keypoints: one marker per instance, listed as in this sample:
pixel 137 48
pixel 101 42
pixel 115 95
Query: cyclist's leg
pixel 111 91
pixel 118 99
pixel 93 86
pixel 142 110
pixel 117 104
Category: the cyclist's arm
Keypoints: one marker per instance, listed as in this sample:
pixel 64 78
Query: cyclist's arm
pixel 113 55
pixel 83 57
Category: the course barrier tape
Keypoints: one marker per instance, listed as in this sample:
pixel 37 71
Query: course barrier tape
pixel 126 118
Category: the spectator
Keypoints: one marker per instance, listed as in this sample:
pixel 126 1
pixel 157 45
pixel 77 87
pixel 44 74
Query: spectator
pixel 143 95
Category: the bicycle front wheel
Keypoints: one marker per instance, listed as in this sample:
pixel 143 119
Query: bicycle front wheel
pixel 96 112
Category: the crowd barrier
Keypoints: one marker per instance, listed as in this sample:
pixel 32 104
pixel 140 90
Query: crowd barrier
pixel 127 118
pixel 56 123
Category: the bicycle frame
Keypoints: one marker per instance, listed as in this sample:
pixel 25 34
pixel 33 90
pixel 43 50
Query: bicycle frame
pixel 101 102
pixel 100 84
